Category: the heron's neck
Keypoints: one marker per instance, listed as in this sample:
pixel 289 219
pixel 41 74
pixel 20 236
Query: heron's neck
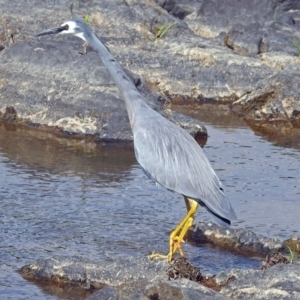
pixel 133 99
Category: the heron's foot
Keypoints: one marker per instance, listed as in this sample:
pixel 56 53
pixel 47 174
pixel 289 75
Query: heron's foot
pixel 174 245
pixel 178 234
pixel 157 255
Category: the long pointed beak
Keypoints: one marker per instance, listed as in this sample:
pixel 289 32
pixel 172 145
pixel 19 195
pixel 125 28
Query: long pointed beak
pixel 54 30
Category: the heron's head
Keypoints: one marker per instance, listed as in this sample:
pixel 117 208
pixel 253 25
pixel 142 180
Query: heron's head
pixel 75 27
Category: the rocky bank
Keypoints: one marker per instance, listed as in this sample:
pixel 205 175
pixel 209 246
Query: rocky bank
pixel 242 53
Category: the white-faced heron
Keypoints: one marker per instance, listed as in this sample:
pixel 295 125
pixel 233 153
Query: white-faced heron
pixel 166 152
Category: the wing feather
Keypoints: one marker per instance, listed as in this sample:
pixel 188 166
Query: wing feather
pixel 170 156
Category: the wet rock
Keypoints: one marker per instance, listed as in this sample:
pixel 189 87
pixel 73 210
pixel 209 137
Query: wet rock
pixel 293 244
pixel 279 282
pixel 225 277
pixel 127 278
pixel 180 289
pixel 274 259
pixel 141 278
pixel 182 268
pixel 239 240
pixel 85 272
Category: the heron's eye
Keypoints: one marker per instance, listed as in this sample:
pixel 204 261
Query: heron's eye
pixel 63 28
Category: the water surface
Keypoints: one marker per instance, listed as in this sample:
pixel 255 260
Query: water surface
pixel 60 196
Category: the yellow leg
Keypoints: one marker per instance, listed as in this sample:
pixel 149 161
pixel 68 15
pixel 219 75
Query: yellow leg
pixel 178 234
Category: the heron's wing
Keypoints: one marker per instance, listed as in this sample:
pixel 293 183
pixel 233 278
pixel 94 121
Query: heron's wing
pixel 170 156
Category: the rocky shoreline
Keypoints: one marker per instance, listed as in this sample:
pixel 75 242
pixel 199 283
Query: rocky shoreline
pixel 142 278
pixel 244 54
pixel 240 53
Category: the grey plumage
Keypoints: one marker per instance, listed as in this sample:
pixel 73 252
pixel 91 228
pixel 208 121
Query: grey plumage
pixel 166 152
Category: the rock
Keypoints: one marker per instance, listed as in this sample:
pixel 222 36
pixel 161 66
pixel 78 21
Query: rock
pixel 141 278
pixel 214 51
pixel 49 83
pixel 276 98
pixel 238 240
pixel 279 282
pixel 83 104
pixel 182 268
pixel 266 31
pixel 224 277
pixel 274 259
pixel 176 290
pixel 126 278
pixel 293 244
pixel 83 272
pixel 246 23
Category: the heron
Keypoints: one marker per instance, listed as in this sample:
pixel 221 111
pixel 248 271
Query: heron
pixel 166 152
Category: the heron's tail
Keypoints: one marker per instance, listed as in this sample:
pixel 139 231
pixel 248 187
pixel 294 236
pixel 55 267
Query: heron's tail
pixel 223 215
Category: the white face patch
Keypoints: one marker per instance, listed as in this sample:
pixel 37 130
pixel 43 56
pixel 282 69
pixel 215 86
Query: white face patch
pixel 72 30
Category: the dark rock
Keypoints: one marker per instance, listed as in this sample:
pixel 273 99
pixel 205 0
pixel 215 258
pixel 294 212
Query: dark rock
pixel 239 240
pixel 274 259
pixel 182 268
pixel 9 116
pixel 279 282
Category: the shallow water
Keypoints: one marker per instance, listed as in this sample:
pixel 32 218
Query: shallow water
pixel 68 197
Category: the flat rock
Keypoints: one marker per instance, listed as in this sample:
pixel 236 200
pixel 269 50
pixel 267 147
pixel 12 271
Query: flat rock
pixel 279 282
pixel 142 278
pixel 122 278
pixel 83 271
